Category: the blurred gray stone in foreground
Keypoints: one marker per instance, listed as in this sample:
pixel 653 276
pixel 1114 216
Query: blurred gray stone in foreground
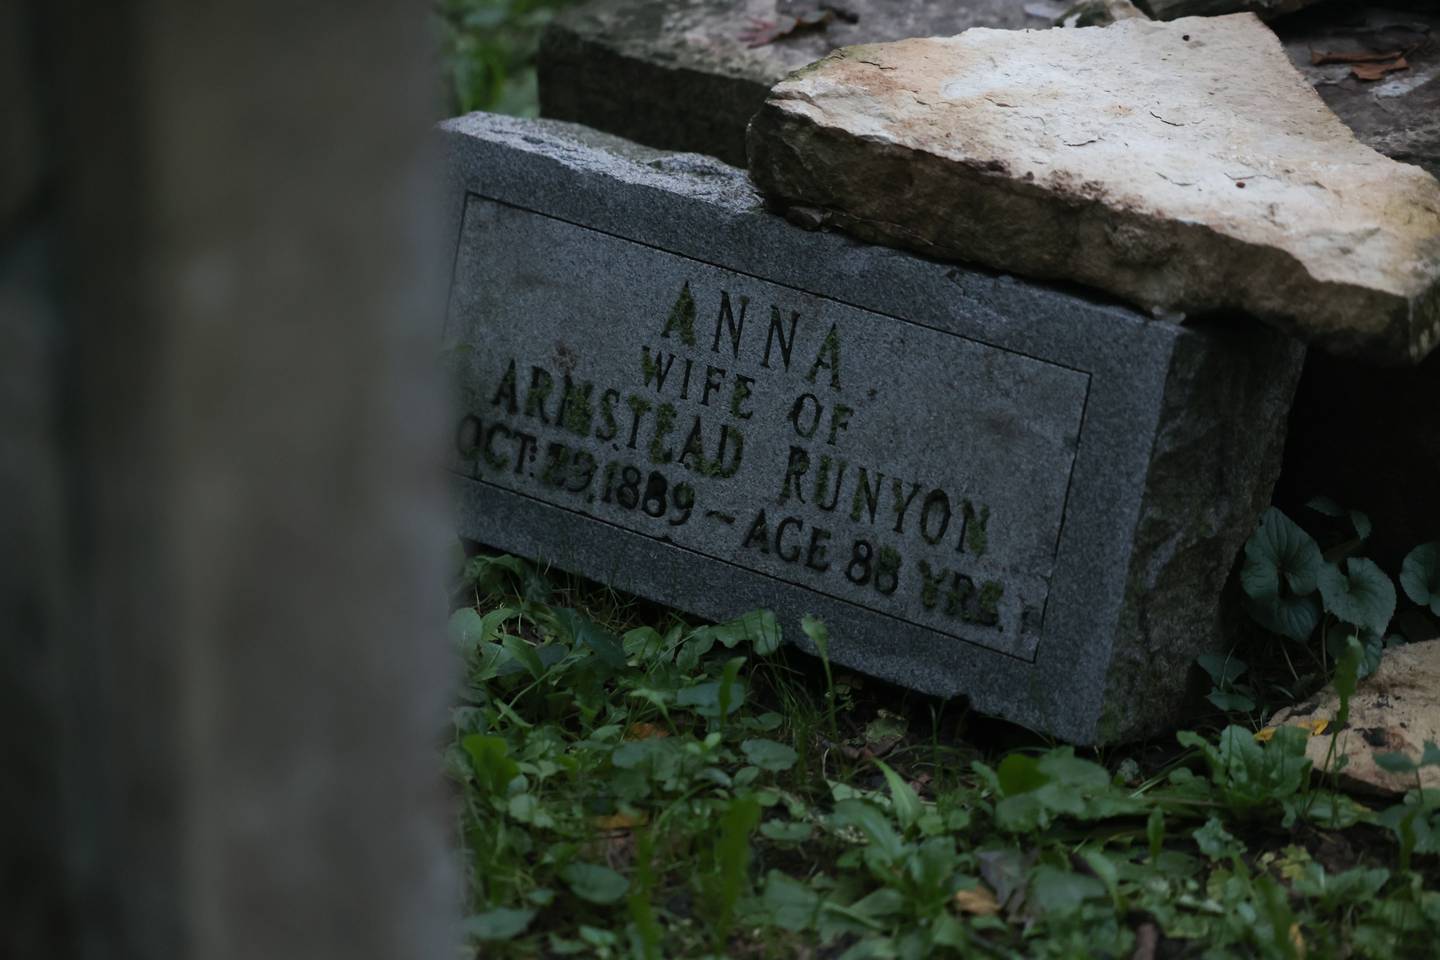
pixel 983 486
pixel 222 570
pixel 1126 158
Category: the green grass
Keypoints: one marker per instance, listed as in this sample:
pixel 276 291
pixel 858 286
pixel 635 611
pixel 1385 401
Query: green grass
pixel 637 785
pixel 488 52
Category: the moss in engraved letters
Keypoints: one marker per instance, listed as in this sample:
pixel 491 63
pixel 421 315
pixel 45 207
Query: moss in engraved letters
pixel 682 317
pixel 976 536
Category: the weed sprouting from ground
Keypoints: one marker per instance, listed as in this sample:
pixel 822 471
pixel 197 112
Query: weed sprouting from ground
pixel 636 785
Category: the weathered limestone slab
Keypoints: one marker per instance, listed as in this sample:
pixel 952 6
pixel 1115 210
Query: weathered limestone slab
pixel 985 487
pixel 1395 710
pixel 680 74
pixel 1126 158
pixel 1399 115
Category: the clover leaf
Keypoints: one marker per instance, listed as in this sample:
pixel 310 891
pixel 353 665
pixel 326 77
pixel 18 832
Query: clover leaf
pixel 1420 576
pixel 1360 594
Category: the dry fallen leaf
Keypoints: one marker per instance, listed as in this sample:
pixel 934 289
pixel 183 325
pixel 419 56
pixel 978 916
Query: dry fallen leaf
pixel 1316 727
pixel 978 901
pixel 1374 71
pixel 620 821
pixel 1298 940
pixel 645 731
pixel 1321 57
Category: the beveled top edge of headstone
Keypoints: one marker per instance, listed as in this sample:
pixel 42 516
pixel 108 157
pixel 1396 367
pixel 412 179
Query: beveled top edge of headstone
pixel 586 149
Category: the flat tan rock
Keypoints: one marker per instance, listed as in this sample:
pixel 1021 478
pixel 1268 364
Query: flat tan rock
pixel 1394 710
pixel 1184 166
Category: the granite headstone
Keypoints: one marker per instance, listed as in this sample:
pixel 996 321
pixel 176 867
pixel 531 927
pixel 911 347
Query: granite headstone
pixel 984 487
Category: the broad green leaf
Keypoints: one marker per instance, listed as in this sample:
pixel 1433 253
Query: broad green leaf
pixel 501 923
pixel 478 567
pixel 1279 577
pixel 1216 842
pixel 1020 773
pixel 1325 505
pixel 726 700
pixel 695 646
pixel 1371 650
pixel 1222 669
pixel 946 931
pixel 818 634
pixel 643 643
pixel 1279 555
pixel 525 654
pixel 1231 701
pixel 638 753
pixel 769 755
pixel 529 806
pixel 1347 677
pixel 1420 576
pixel 704 698
pixel 886 726
pixel 1060 891
pixel 765 633
pixel 1104 868
pixel 1250 774
pixel 1155 832
pixel 582 630
pixel 1335 890
pixel 758 627
pixel 1062 766
pixel 595 883
pixel 1361 594
pixel 1287 616
pixel 871 821
pixel 793 905
pixel 1361 523
pixel 932 867
pixel 490 762
pixel 601 940
pixel 466 629
pixel 786 831
pixel 902 797
pixel 885 902
pixel 732 853
pixel 1397 763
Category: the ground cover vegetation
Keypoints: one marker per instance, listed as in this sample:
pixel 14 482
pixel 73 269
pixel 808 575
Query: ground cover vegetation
pixel 635 784
pixel 488 52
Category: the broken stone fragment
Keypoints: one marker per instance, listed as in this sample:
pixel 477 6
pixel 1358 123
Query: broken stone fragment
pixel 1184 166
pixel 1395 710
